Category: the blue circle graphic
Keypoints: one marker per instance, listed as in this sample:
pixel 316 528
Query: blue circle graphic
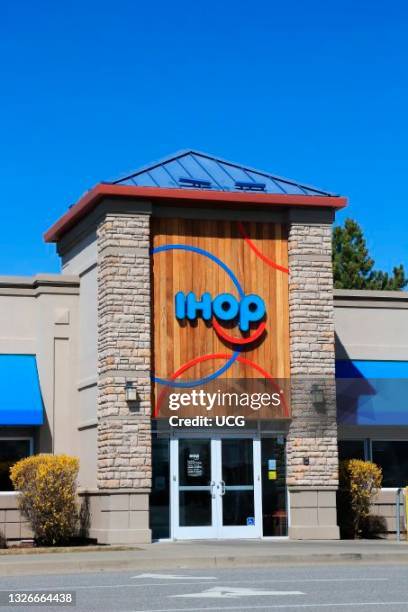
pixel 187 247
pixel 234 356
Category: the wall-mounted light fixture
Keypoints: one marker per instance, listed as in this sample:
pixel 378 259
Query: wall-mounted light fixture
pixel 318 398
pixel 130 391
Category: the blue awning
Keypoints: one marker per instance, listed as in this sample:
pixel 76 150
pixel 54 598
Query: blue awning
pixel 372 392
pixel 20 394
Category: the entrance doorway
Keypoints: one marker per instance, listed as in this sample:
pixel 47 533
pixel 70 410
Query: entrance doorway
pixel 215 487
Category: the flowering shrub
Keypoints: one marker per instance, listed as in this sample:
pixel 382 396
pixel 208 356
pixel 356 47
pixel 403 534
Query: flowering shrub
pixel 47 485
pixel 359 483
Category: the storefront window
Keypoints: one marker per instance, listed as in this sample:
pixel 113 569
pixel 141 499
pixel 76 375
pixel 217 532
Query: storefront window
pixel 275 518
pixel 11 451
pixel 392 457
pixel 351 449
pixel 160 495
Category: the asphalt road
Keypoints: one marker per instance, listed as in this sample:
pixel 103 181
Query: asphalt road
pixel 319 587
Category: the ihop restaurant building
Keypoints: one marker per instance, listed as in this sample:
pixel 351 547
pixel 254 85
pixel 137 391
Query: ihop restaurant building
pixel 193 354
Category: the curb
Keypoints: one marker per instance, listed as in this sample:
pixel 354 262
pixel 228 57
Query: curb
pixel 67 566
pixel 65 549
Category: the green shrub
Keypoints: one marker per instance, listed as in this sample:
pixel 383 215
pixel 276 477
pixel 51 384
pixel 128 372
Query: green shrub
pixel 359 483
pixel 3 541
pixel 47 487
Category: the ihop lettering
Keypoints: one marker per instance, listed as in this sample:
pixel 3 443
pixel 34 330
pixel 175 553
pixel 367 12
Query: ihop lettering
pixel 225 307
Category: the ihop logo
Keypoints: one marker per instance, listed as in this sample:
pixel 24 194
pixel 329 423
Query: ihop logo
pixel 225 307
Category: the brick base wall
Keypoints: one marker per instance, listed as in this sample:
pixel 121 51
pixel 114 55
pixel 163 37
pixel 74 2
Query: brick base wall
pixel 12 524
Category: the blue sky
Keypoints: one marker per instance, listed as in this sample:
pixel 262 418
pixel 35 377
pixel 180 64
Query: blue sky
pixel 316 91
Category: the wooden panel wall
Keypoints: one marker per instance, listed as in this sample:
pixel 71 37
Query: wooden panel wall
pixel 176 343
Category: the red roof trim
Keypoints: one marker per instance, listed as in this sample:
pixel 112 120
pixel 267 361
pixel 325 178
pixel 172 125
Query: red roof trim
pixel 194 196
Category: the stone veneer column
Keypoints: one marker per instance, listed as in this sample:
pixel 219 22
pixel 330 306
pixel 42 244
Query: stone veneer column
pixel 312 472
pixel 124 354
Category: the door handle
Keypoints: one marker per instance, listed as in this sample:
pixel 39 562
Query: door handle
pixel 222 483
pixel 212 485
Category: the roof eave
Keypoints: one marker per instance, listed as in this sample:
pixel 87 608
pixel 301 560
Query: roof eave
pixel 195 196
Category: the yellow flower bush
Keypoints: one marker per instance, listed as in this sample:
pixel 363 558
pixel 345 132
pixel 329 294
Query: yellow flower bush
pixel 47 486
pixel 361 481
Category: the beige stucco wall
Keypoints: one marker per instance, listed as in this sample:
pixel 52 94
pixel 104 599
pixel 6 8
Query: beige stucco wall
pixel 79 257
pixel 39 316
pixel 373 325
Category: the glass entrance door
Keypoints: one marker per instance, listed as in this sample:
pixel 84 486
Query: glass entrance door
pixel 239 495
pixel 193 500
pixel 216 489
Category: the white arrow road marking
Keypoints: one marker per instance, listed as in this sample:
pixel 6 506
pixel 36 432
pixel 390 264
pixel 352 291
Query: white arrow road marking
pixel 269 607
pixel 235 593
pixel 174 577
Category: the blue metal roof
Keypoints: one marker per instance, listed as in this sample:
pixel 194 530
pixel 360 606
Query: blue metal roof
pixel 195 170
pixel 20 394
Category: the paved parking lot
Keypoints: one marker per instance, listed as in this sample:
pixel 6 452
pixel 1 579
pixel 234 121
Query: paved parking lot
pixel 320 587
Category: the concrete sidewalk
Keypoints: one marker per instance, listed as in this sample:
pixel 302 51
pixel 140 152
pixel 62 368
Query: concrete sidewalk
pixel 206 554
